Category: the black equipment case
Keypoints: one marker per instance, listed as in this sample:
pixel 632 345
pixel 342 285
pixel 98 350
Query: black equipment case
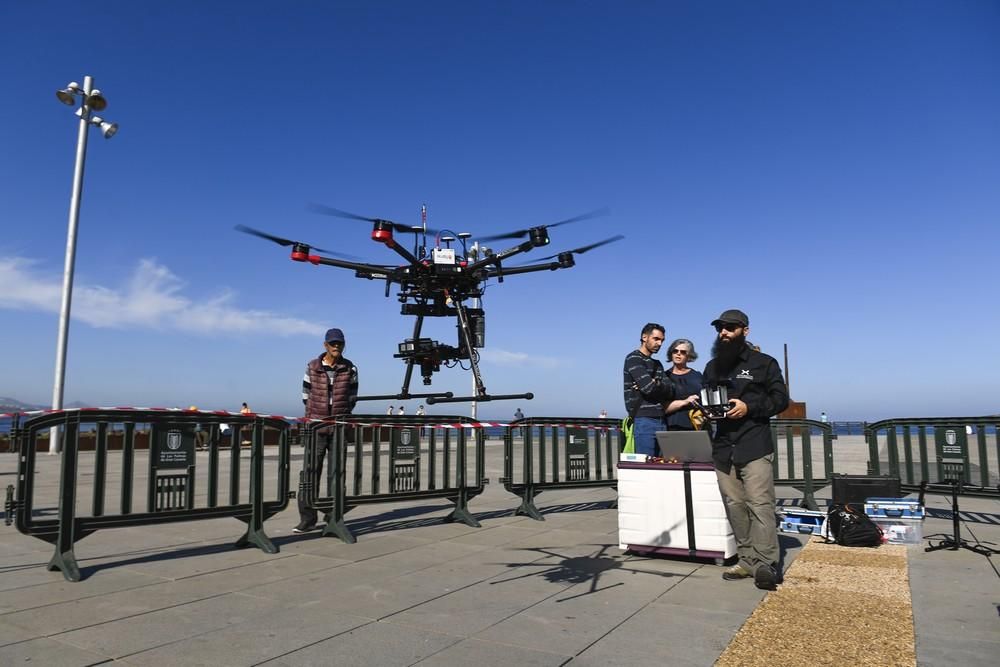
pixel 856 489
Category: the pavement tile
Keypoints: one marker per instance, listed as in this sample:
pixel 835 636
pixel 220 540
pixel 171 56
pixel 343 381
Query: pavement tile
pixel 567 623
pixel 10 634
pixel 48 652
pixel 491 654
pixel 665 635
pixel 52 588
pixel 339 585
pixel 949 651
pixel 141 632
pixel 383 644
pixel 262 637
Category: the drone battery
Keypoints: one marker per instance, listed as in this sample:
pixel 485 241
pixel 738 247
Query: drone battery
pixel 856 489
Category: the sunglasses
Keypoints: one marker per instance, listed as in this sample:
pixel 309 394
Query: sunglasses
pixel 684 352
pixel 728 326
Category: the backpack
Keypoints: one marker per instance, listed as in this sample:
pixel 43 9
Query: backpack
pixel 851 528
pixel 628 435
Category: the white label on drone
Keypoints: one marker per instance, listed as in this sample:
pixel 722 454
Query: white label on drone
pixel 444 255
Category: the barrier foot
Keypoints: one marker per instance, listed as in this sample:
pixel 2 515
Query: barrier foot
pixel 66 563
pixel 462 514
pixel 256 538
pixel 528 509
pixel 337 528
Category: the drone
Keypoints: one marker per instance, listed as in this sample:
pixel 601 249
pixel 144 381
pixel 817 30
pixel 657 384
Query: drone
pixel 443 276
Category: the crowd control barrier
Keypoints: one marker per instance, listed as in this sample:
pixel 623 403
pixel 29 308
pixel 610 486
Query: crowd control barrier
pixel 133 467
pixel 559 453
pixel 933 450
pixel 793 454
pixel 388 458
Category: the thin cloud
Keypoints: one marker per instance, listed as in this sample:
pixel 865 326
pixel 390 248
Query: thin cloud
pixel 151 299
pixel 499 357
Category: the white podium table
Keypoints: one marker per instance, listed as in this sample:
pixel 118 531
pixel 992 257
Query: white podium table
pixel 673 510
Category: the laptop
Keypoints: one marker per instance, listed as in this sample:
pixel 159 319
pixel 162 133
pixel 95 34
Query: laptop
pixel 685 446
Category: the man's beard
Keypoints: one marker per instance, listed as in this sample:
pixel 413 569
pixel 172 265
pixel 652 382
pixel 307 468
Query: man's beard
pixel 727 353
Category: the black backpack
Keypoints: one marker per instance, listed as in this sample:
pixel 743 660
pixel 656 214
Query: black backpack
pixel 850 528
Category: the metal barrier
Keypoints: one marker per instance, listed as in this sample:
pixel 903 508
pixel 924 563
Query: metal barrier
pixel 384 458
pixel 800 463
pixel 559 453
pixel 892 450
pixel 108 448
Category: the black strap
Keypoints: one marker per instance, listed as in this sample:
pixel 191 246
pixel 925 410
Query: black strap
pixel 689 510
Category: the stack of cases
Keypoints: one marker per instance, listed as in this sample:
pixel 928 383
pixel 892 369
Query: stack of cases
pixel 900 519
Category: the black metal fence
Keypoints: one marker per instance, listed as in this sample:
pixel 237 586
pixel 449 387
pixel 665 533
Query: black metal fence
pixel 558 453
pixel 125 467
pixel 933 450
pixel 383 458
pixel 796 462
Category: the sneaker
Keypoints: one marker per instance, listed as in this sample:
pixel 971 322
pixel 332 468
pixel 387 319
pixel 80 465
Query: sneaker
pixel 736 572
pixel 304 528
pixel 765 578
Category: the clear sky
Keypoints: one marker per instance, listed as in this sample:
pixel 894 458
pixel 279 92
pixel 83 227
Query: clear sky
pixel 831 168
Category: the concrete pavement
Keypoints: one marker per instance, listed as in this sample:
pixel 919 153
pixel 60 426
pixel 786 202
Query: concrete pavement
pixel 416 590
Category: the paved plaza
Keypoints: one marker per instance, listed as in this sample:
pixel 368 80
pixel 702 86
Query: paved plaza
pixel 417 590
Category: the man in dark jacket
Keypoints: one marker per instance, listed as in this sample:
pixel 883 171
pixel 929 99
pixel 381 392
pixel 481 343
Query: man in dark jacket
pixel 646 389
pixel 741 446
pixel 329 388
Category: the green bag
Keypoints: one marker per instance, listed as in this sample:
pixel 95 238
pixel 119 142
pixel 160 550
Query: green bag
pixel 628 431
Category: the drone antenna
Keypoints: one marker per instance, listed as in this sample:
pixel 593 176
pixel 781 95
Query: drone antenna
pixel 423 224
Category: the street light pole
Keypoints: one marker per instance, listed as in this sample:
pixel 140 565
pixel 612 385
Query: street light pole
pixel 91 99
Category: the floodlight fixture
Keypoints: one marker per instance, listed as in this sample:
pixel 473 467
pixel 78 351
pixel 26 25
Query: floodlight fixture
pixel 107 129
pixel 96 101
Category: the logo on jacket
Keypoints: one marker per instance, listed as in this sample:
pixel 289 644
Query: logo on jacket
pixel 744 375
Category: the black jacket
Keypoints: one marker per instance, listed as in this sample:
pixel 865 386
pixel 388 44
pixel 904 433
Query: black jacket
pixel 757 381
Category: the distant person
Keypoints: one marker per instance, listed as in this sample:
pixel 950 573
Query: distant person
pixel 518 414
pixel 402 411
pixel 742 450
pixel 603 415
pixel 420 410
pixel 647 389
pixel 329 388
pixel 200 437
pixel 688 382
pixel 245 410
pixel 822 417
pixel 389 410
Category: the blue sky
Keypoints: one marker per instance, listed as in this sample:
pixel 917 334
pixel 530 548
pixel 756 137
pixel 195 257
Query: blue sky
pixel 830 168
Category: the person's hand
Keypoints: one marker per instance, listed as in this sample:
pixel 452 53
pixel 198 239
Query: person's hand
pixel 738 411
pixel 692 400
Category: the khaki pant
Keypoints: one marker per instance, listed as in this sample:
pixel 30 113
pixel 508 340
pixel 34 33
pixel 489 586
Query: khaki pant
pixel 748 492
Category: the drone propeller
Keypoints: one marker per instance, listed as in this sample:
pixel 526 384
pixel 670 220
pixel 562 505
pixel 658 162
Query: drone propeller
pixel 287 242
pixel 337 213
pixel 586 248
pixel 596 213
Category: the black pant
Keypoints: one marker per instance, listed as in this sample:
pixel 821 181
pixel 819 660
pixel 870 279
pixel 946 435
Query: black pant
pixel 307 514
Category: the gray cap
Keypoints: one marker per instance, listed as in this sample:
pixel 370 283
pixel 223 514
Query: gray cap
pixel 732 316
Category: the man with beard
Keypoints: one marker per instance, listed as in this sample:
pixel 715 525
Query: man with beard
pixel 742 449
pixel 647 388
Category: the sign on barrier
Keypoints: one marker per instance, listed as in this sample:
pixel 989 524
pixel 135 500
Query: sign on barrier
pixel 175 448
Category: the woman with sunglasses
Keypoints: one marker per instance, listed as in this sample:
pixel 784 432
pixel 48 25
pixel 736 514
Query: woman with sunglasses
pixel 687 380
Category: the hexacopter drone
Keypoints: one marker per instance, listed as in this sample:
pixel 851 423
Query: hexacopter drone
pixel 437 281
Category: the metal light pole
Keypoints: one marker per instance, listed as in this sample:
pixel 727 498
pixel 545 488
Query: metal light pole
pixel 90 100
pixel 475 304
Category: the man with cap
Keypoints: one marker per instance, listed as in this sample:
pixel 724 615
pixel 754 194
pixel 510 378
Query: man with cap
pixel 329 388
pixel 742 449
